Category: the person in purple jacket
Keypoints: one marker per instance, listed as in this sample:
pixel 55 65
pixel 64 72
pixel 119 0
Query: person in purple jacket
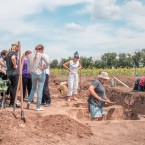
pixel 27 83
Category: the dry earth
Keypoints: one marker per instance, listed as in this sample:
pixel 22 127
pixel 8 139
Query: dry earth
pixel 66 123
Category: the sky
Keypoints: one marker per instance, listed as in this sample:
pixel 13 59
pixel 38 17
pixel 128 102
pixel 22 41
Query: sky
pixel 91 27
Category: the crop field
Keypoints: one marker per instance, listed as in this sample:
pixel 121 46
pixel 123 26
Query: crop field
pixel 112 72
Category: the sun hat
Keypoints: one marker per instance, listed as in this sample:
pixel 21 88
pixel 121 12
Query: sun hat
pixel 76 54
pixel 104 75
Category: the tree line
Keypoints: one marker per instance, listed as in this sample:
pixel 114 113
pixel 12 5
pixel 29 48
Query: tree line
pixel 108 60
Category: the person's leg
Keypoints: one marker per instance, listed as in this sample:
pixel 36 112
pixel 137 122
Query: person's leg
pixel 140 88
pixel 25 81
pixel 40 89
pixel 46 96
pixel 70 85
pixel 34 85
pixel 13 87
pixel 96 113
pixel 75 86
pixel 29 85
pixel 45 90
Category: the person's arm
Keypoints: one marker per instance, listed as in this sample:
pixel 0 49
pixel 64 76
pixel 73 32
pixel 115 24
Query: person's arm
pixel 46 60
pixel 108 101
pixel 93 93
pixel 65 65
pixel 2 63
pixel 80 67
pixel 1 70
pixel 14 61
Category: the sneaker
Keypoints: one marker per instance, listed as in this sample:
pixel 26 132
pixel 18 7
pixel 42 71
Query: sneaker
pixel 47 104
pixel 28 105
pixel 40 109
pixel 12 106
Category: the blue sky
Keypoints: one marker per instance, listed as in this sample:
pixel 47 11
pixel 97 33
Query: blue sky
pixel 91 27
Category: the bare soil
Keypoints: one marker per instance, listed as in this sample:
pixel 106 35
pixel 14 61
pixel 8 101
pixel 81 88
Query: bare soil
pixel 68 123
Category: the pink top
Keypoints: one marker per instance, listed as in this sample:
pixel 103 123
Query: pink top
pixel 142 81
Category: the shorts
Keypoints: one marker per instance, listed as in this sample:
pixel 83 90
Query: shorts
pixel 96 112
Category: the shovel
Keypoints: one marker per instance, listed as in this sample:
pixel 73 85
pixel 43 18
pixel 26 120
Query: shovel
pixel 20 87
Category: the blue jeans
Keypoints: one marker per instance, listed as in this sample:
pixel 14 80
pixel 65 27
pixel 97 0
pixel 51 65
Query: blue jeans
pixel 37 79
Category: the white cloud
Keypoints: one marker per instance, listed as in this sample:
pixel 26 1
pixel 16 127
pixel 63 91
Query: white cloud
pixel 107 9
pixel 73 27
pixel 91 38
pixel 12 14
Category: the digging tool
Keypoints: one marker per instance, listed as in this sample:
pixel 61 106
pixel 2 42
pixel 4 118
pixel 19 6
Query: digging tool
pixel 112 103
pixel 20 86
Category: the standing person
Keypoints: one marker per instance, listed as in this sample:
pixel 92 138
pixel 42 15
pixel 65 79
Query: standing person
pixel 46 99
pixel 3 65
pixel 12 71
pixel 37 70
pixel 3 69
pixel 73 79
pixel 97 98
pixel 27 83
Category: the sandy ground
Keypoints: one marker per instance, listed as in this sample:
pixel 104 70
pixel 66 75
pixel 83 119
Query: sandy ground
pixel 66 123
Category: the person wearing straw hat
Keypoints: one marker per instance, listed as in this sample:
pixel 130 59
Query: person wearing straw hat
pixel 73 79
pixel 97 97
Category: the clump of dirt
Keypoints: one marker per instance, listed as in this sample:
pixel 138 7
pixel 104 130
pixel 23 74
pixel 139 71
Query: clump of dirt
pixel 63 126
pixel 117 112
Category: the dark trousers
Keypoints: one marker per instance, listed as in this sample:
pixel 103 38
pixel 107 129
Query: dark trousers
pixel 27 85
pixel 46 95
pixel 13 87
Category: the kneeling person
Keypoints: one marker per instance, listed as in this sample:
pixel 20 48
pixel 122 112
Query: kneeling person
pixel 97 98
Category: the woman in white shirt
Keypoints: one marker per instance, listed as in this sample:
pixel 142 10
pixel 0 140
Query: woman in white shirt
pixel 73 66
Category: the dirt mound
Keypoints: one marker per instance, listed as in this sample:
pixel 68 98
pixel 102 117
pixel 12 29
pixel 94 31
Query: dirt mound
pixel 133 101
pixel 64 126
pixel 9 126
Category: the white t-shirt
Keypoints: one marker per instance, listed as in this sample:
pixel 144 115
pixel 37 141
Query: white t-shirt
pixel 73 66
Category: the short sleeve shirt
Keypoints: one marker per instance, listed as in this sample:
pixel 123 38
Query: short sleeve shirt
pixel 10 68
pixel 100 91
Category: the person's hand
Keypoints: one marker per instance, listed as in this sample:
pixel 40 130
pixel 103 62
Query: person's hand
pixel 108 102
pixel 42 68
pixel 70 71
pixel 15 66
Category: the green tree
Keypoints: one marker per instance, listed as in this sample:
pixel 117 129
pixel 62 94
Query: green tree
pixel 109 60
pixel 54 63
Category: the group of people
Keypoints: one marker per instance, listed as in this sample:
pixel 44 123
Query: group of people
pixel 35 74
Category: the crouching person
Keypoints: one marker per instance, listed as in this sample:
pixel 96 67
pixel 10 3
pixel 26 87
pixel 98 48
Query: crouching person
pixel 97 98
pixel 139 85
